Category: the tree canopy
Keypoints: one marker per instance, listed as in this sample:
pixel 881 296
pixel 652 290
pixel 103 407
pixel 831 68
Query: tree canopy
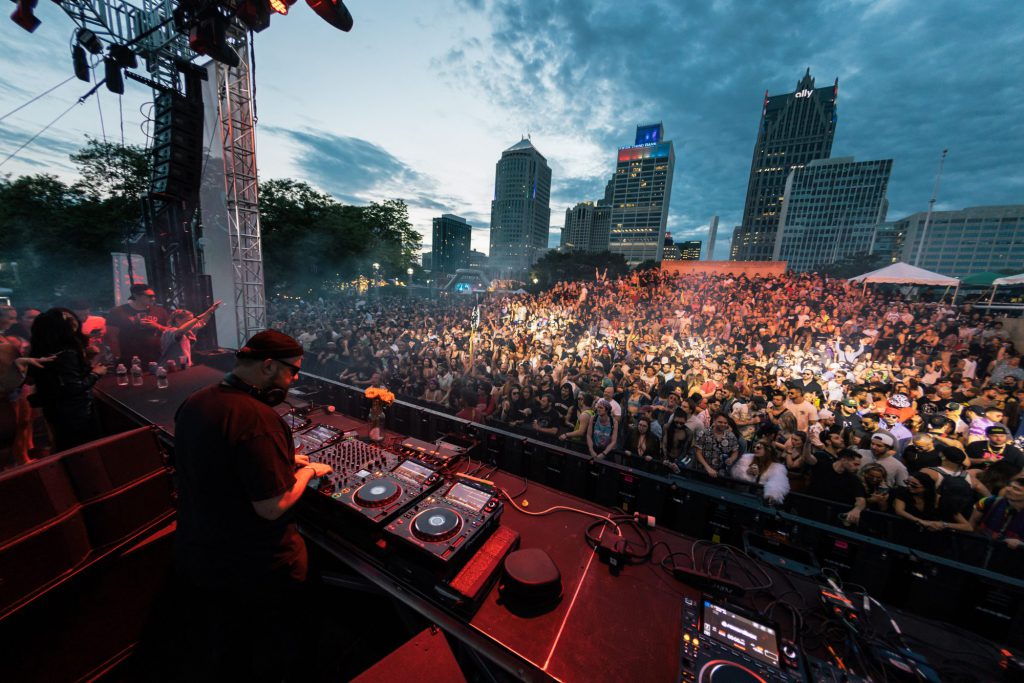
pixel 310 240
pixel 555 267
pixel 60 234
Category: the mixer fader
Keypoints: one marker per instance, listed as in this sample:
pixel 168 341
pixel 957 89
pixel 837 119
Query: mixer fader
pixel 349 459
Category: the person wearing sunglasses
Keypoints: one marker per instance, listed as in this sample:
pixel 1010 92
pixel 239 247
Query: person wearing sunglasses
pixel 238 552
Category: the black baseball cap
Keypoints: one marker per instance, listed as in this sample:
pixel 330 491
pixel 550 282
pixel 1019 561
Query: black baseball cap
pixel 141 288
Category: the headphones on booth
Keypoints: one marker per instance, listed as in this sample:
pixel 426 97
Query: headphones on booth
pixel 272 396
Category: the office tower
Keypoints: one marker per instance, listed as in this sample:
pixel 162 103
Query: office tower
pixel 669 250
pixel 712 236
pixel 640 193
pixel 961 243
pixel 427 260
pixel 520 213
pixel 830 210
pixel 477 259
pixel 586 228
pixel 796 128
pixel 689 251
pixel 888 241
pixel 451 243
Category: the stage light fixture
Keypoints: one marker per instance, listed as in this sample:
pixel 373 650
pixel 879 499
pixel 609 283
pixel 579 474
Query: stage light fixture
pixel 208 38
pixel 24 16
pixel 124 56
pixel 81 63
pixel 112 72
pixel 255 14
pixel 281 6
pixel 333 12
pixel 89 41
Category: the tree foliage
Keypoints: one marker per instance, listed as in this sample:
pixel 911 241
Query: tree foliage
pixel 310 239
pixel 555 267
pixel 853 265
pixel 61 234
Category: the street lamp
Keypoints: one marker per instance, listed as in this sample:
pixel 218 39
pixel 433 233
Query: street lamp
pixel 376 278
pixel 409 272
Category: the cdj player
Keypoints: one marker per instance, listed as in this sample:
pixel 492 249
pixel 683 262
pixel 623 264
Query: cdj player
pixel 383 493
pixel 720 645
pixel 317 437
pixel 296 422
pixel 447 524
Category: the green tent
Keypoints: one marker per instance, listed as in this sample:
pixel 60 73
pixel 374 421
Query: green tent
pixel 983 279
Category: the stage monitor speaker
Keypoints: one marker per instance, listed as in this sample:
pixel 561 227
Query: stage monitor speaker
pixel 219 359
pixel 32 495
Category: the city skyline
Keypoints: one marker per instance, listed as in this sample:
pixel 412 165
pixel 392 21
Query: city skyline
pixel 409 85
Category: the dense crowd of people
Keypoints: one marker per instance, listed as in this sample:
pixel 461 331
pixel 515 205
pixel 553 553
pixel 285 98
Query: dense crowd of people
pixel 795 382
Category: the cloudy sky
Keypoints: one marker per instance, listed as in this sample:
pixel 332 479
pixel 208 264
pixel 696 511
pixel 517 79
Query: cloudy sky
pixel 419 100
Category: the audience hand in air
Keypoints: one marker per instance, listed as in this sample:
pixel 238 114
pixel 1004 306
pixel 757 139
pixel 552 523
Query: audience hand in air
pixel 23 364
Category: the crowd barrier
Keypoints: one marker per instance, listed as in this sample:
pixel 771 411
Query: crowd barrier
pixel 959 577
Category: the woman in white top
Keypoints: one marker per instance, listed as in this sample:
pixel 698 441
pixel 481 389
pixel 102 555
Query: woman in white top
pixel 762 467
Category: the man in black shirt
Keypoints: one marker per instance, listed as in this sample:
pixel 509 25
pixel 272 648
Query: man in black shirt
pixel 836 479
pixel 237 546
pixel 135 328
pixel 922 452
pixel 995 448
pixel 547 419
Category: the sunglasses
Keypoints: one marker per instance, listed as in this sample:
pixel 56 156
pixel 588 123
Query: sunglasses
pixel 294 368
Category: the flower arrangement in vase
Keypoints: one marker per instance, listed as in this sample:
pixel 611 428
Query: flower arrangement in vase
pixel 380 398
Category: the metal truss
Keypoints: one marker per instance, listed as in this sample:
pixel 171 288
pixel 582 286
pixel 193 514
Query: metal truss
pixel 238 136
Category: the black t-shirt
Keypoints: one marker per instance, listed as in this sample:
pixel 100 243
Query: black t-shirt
pixel 547 418
pixel 134 338
pixel 1010 453
pixel 828 484
pixel 231 450
pixel 915 459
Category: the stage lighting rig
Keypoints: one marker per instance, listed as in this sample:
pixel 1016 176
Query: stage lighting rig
pixel 113 76
pixel 89 40
pixel 24 15
pixel 80 63
pixel 209 37
pixel 333 12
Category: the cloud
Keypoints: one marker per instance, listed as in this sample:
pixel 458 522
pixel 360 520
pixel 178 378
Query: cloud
pixel 45 152
pixel 914 79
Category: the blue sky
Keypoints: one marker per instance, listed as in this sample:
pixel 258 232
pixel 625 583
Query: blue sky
pixel 419 100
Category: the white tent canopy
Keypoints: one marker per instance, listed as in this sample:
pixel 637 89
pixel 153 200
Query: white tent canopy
pixel 1011 280
pixel 906 274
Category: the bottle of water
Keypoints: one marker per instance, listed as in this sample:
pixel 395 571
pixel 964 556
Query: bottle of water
pixel 136 375
pixel 122 375
pixel 161 377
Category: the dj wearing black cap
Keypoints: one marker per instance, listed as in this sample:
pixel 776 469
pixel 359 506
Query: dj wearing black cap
pixel 237 546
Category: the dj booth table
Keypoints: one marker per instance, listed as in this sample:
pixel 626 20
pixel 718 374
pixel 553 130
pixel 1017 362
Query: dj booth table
pixel 624 627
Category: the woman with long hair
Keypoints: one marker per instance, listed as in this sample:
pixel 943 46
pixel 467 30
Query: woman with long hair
pixel 64 386
pixel 763 466
pixel 640 443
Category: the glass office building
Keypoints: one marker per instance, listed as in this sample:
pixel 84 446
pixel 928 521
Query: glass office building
pixel 520 211
pixel 795 128
pixel 451 237
pixel 961 243
pixel 640 193
pixel 830 210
